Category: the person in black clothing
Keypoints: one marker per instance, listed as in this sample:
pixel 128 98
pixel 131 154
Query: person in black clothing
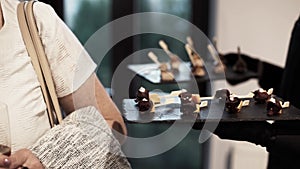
pixel 282 138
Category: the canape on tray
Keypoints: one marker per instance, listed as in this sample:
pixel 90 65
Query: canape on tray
pixel 143 100
pixel 174 59
pixel 219 66
pixel 197 63
pixel 165 73
pixel 240 65
pixel 191 103
pixel 262 96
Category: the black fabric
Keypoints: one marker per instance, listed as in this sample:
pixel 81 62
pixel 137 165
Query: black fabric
pixel 259 133
pixel 290 88
pixel 285 150
pixel 270 77
pixel 283 161
pixel 282 139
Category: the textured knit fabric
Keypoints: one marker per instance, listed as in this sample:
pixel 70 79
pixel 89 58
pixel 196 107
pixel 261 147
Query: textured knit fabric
pixel 83 140
pixel 19 86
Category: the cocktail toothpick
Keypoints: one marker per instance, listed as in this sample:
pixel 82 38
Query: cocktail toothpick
pixel 270 91
pixel 215 43
pixel 165 47
pixel 175 60
pixel 213 53
pixel 190 42
pixel 190 53
pixel 154 58
pixel 248 96
pixel 189 47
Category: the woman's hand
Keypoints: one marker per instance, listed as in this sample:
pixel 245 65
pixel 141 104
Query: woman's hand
pixel 22 158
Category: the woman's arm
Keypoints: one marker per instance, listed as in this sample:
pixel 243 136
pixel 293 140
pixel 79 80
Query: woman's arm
pixel 92 93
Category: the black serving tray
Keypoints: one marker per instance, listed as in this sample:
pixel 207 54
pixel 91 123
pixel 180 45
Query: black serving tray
pixel 214 112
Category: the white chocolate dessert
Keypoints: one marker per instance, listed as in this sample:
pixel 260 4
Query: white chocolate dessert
pixel 155 98
pixel 163 67
pixel 166 76
pixel 175 63
pixel 174 59
pixel 273 107
pixel 198 66
pixel 197 62
pixel 198 71
pixel 219 68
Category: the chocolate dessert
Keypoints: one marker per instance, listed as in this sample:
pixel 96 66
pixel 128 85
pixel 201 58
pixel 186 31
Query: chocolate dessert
pixel 163 67
pixel 144 105
pixel 273 107
pixel 197 66
pixel 187 103
pixel 233 105
pixel 240 66
pixel 175 63
pixel 141 94
pixel 142 99
pixel 198 71
pixel 165 74
pixel 222 94
pixel 261 96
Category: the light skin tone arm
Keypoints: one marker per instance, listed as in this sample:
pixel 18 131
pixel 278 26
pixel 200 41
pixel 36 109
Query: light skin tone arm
pixel 103 103
pixel 97 98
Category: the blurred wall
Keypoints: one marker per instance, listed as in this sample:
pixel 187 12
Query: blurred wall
pixel 262 29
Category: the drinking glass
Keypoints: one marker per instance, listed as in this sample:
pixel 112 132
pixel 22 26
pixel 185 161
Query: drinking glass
pixel 5 140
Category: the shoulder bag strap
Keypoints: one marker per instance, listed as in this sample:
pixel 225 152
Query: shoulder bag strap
pixel 39 60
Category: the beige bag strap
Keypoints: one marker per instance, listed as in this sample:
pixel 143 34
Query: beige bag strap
pixel 39 59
